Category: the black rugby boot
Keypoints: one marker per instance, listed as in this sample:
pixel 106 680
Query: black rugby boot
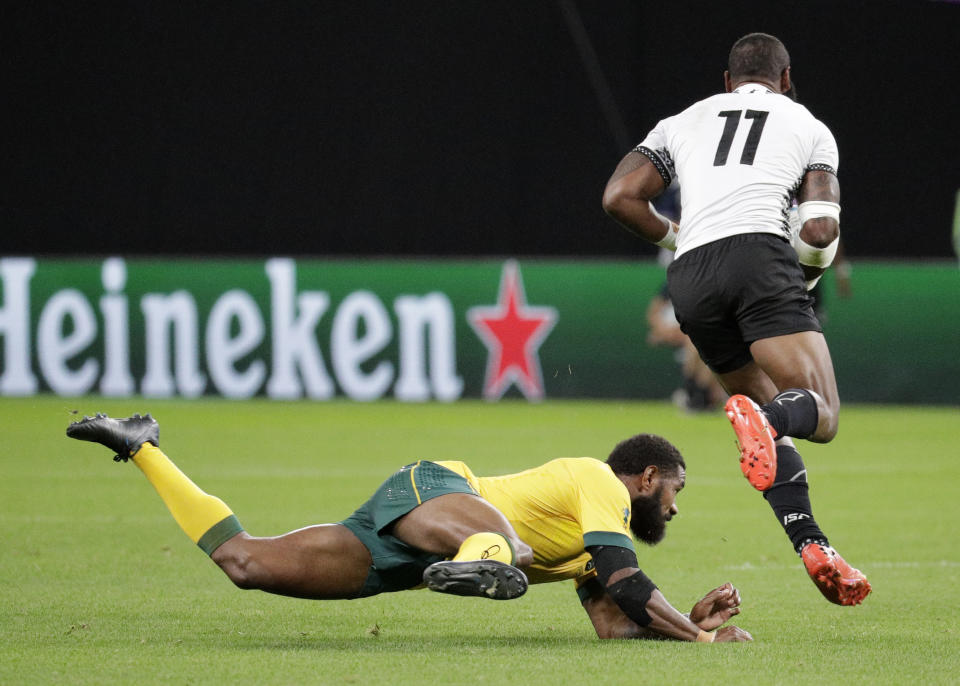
pixel 480 578
pixel 122 436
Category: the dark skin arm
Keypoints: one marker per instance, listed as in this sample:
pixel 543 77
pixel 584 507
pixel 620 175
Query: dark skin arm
pixel 819 232
pixel 634 183
pixel 621 602
pixel 713 610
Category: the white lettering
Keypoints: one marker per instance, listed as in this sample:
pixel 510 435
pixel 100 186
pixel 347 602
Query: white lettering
pixel 349 349
pixel 117 379
pixel 290 364
pixel 294 337
pixel 17 377
pixel 55 348
pixel 416 314
pixel 223 350
pixel 179 312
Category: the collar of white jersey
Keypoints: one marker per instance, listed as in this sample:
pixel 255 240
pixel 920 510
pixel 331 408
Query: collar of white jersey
pixel 752 88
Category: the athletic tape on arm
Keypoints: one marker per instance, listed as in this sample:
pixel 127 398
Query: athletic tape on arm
pixel 630 594
pixel 670 240
pixel 813 209
pixel 806 253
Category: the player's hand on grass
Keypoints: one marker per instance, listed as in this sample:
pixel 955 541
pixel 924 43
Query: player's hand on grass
pixel 732 634
pixel 715 608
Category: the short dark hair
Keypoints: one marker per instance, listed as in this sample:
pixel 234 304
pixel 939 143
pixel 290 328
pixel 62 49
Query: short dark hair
pixel 637 453
pixel 759 55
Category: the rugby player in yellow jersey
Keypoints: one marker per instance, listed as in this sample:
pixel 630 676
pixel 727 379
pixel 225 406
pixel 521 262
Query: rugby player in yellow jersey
pixel 437 524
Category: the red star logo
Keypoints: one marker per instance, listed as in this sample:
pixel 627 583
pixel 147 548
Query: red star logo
pixel 512 332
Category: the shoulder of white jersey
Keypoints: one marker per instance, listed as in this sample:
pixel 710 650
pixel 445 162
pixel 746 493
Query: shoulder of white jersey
pixel 705 102
pixel 802 110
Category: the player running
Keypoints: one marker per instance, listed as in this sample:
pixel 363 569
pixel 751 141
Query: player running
pixel 740 278
pixel 436 523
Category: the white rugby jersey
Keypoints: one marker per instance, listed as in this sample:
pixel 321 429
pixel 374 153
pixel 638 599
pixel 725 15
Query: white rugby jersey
pixel 741 157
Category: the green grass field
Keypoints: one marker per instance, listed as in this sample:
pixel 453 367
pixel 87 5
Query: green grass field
pixel 99 585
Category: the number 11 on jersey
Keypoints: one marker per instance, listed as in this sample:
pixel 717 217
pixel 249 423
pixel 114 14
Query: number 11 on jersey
pixel 730 129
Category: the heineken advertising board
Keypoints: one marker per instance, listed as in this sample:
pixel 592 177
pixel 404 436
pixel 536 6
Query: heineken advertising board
pixel 415 330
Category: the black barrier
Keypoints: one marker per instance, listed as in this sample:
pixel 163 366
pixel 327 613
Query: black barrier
pixel 416 128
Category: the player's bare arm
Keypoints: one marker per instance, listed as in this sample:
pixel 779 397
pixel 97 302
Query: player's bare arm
pixel 635 182
pixel 819 232
pixel 716 607
pixel 708 615
pixel 623 603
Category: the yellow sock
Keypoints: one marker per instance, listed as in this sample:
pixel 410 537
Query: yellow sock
pixel 485 546
pixel 204 518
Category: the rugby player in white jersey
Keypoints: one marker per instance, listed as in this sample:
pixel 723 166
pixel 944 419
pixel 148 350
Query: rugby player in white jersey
pixel 740 278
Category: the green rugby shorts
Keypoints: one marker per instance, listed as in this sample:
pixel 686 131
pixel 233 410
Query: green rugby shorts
pixel 396 565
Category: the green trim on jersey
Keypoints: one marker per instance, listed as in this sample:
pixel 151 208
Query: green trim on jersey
pixel 608 538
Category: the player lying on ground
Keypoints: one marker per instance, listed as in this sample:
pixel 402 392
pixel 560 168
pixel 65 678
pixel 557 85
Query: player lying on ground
pixel 740 278
pixel 436 523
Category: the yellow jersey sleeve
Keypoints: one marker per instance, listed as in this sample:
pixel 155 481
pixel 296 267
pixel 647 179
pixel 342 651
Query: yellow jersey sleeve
pixel 604 505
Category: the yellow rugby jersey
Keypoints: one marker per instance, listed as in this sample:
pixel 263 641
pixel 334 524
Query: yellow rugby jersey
pixel 558 509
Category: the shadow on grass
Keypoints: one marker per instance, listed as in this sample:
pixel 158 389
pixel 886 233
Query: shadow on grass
pixel 387 643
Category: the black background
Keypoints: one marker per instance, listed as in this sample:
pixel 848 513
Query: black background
pixel 434 128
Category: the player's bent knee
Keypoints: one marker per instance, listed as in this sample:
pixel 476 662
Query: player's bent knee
pixel 826 431
pixel 827 427
pixel 238 570
pixel 237 564
pixel 828 419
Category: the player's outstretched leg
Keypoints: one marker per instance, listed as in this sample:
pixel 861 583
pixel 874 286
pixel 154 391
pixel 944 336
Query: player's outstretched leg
pixel 758 453
pixel 204 518
pixel 838 582
pixel 480 578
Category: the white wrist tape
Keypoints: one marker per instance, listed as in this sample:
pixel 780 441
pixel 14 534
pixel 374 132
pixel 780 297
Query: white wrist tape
pixel 814 209
pixel 806 253
pixel 815 257
pixel 670 240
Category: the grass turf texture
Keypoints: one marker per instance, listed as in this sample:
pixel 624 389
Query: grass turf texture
pixel 100 586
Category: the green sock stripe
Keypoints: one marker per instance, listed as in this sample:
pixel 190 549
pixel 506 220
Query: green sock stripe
pixel 513 553
pixel 219 533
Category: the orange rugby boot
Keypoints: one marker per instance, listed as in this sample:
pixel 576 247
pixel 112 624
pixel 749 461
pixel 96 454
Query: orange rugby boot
pixel 838 582
pixel 758 454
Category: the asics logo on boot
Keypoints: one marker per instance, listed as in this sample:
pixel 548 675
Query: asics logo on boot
pixel 490 552
pixel 788 397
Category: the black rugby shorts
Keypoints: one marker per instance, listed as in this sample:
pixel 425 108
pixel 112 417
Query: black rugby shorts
pixel 734 291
